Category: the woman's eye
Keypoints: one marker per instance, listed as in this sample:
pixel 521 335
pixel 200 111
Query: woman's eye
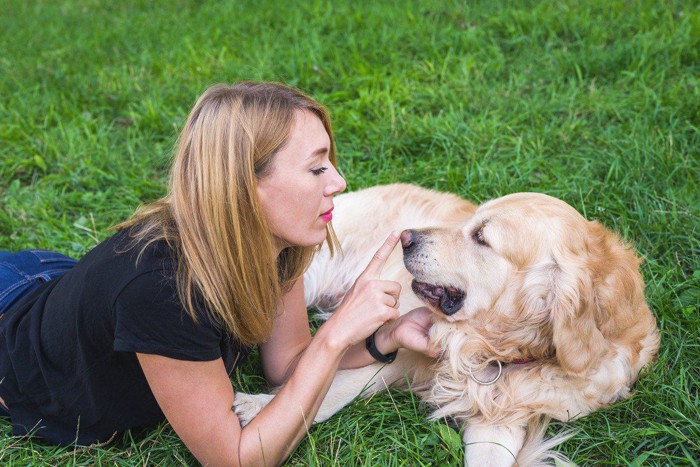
pixel 319 171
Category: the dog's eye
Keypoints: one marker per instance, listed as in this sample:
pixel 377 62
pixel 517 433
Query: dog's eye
pixel 478 236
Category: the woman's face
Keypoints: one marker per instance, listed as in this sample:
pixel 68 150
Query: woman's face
pixel 297 194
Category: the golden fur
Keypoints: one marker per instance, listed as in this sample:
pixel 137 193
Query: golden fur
pixel 528 282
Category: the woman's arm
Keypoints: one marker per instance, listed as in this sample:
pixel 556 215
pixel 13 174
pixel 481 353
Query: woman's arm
pixel 197 397
pixel 289 339
pixel 291 336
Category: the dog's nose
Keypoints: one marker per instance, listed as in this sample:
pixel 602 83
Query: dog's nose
pixel 408 238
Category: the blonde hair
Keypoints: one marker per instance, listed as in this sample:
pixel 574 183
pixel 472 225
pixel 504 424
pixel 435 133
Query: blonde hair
pixel 212 217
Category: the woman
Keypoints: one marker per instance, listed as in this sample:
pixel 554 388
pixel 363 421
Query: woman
pixel 151 322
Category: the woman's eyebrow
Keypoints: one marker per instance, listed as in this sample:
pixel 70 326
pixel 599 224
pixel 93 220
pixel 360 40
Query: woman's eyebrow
pixel 318 152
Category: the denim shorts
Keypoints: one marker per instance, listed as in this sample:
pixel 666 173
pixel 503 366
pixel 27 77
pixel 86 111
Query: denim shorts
pixel 23 271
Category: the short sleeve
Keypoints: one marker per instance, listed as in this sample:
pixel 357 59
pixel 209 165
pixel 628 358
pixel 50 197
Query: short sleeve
pixel 149 318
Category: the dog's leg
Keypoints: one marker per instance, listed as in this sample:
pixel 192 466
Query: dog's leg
pixel 492 445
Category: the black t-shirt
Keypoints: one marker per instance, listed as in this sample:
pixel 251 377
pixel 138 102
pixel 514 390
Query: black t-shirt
pixel 68 368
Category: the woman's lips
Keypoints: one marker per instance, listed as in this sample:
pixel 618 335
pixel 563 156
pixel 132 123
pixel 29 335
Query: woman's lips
pixel 327 216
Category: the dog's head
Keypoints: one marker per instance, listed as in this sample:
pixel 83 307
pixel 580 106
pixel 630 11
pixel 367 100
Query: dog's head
pixel 535 279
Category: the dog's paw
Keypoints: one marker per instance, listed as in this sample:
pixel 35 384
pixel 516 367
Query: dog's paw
pixel 247 406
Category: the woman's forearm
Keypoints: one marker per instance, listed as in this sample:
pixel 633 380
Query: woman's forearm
pixel 272 435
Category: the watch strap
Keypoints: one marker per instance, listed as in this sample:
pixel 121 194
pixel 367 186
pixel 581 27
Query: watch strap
pixel 375 353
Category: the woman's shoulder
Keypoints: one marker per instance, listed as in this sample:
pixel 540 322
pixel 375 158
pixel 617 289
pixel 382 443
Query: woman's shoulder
pixel 114 264
pixel 127 250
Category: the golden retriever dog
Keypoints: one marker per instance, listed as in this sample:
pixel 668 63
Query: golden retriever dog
pixel 538 313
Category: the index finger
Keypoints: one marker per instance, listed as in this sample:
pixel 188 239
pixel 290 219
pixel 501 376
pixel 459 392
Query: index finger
pixel 374 268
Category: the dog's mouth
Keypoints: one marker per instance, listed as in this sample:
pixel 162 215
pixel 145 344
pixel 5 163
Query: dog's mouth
pixel 448 299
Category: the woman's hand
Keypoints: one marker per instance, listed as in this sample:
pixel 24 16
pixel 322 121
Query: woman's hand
pixel 410 332
pixel 369 303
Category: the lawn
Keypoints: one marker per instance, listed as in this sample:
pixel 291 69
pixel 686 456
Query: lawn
pixel 597 103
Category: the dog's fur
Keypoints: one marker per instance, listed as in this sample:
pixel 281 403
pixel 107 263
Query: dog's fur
pixel 527 282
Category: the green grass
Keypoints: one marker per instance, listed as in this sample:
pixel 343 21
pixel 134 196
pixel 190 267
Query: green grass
pixel 595 102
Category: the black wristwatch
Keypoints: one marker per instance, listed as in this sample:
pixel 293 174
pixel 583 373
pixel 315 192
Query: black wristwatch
pixel 375 353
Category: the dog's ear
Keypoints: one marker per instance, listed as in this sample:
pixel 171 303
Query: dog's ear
pixel 577 291
pixel 597 295
pixel 559 293
pixel 573 306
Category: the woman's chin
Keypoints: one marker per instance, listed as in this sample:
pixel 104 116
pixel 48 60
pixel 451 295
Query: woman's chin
pixel 307 241
pixel 317 242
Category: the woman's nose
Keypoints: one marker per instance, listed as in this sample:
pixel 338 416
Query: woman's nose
pixel 336 185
